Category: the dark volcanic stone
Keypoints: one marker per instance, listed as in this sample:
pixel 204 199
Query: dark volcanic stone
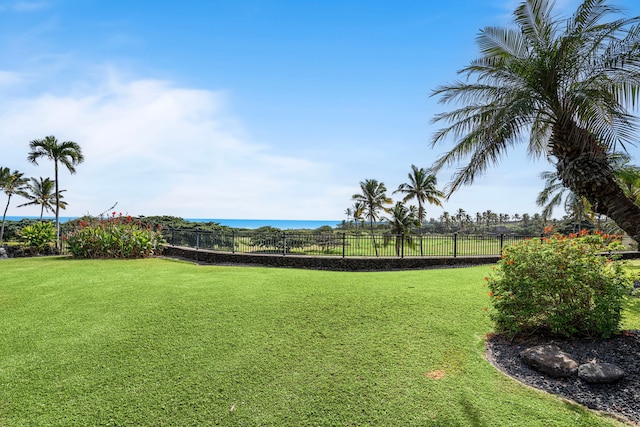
pixel 600 373
pixel 551 360
pixel 621 398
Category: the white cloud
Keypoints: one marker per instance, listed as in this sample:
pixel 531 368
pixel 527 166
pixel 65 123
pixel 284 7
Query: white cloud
pixel 159 149
pixel 8 78
pixel 29 6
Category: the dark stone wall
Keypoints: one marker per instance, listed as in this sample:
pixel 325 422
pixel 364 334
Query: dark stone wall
pixel 335 263
pixel 323 262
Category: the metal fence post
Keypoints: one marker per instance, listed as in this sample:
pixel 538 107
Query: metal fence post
pixel 197 239
pixel 402 243
pixel 501 242
pixel 455 245
pixel 344 243
pixel 233 241
pixel 284 243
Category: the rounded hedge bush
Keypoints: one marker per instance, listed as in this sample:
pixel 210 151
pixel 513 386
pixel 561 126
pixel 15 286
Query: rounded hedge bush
pixel 568 286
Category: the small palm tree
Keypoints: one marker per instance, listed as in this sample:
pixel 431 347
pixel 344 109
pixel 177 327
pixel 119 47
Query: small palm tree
pixel 67 153
pixel 555 194
pixel 422 187
pixel 11 183
pixel 349 213
pixel 373 199
pixel 402 220
pixel 40 192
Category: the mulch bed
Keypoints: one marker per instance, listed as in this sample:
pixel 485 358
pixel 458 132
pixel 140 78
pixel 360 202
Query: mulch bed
pixel 621 399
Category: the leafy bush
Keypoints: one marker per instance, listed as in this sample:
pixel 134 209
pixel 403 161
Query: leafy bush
pixel 564 286
pixel 112 237
pixel 38 237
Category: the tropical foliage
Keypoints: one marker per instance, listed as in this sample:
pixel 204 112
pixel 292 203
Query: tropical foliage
pixel 38 237
pixel 40 192
pixel 559 285
pixel 11 183
pixel 116 236
pixel 373 198
pixel 563 85
pixel 67 154
pixel 422 187
pixel 402 220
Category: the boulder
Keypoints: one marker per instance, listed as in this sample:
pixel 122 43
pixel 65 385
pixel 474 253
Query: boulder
pixel 551 360
pixel 600 373
pixel 3 253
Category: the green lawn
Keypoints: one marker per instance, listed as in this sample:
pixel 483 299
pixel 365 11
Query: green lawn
pixel 166 343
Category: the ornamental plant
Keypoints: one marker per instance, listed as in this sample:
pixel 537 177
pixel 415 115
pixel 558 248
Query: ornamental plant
pixel 115 236
pixel 38 237
pixel 567 286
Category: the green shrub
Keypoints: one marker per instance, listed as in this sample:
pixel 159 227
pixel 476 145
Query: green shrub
pixel 38 237
pixel 112 237
pixel 563 286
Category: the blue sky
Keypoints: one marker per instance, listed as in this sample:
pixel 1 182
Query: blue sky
pixel 270 109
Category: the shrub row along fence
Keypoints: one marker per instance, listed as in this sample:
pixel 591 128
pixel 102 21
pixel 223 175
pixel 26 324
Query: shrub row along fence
pixel 342 244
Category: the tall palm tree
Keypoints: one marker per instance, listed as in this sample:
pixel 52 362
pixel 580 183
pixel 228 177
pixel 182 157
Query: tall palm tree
pixel 11 183
pixel 67 153
pixel 563 85
pixel 422 187
pixel 402 219
pixel 373 198
pixel 40 192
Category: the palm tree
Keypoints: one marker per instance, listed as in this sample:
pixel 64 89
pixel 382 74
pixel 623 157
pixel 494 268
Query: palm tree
pixel 373 199
pixel 357 211
pixel 11 183
pixel 422 187
pixel 563 85
pixel 555 194
pixel 349 213
pixel 67 153
pixel 402 220
pixel 40 193
pixel 628 175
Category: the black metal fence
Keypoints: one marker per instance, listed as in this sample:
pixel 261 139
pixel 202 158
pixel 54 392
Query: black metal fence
pixel 342 244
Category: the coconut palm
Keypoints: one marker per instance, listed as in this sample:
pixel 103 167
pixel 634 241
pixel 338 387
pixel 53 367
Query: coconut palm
pixel 357 211
pixel 402 219
pixel 40 192
pixel 422 187
pixel 562 85
pixel 11 183
pixel 373 199
pixel 67 153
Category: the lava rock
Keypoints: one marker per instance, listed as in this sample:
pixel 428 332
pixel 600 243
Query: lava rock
pixel 551 360
pixel 600 373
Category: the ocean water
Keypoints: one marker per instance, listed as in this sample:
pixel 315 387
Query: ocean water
pixel 283 224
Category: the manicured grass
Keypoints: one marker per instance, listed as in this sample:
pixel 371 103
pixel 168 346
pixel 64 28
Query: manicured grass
pixel 166 343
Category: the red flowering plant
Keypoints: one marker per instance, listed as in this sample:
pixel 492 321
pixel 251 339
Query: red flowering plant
pixel 569 286
pixel 115 236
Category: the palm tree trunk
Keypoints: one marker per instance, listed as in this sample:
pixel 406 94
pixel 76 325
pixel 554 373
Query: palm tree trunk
pixel 584 168
pixel 57 207
pixel 4 216
pixel 373 237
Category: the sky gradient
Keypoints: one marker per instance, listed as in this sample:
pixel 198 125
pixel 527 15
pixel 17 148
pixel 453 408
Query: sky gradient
pixel 260 109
